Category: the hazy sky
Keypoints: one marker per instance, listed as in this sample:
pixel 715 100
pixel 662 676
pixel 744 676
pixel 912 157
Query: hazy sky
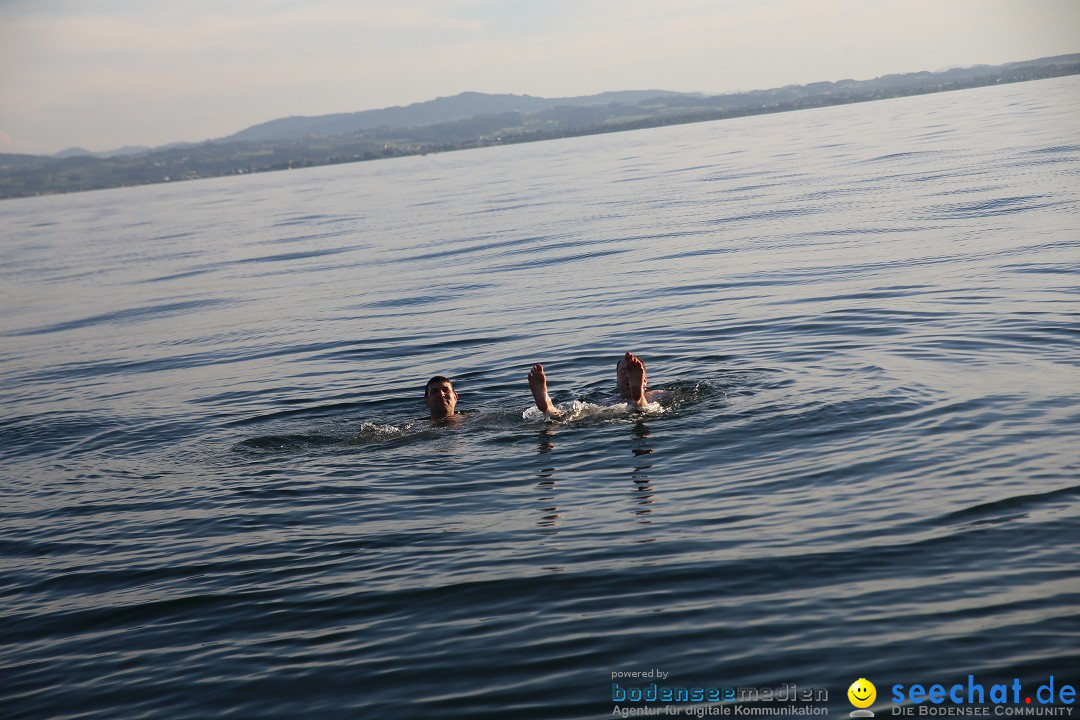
pixel 101 74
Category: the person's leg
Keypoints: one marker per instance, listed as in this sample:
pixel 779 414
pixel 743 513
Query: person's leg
pixel 538 386
pixel 635 373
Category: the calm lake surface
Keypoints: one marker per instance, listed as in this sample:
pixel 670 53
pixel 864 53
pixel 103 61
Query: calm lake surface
pixel 221 499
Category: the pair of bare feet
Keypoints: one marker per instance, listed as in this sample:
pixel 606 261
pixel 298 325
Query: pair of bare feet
pixel 629 378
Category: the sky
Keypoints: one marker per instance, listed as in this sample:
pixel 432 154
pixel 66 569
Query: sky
pixel 102 74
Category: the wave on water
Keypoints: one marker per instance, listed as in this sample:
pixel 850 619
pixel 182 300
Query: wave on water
pixel 377 432
pixel 669 398
pixel 287 443
pixel 578 409
pixel 346 433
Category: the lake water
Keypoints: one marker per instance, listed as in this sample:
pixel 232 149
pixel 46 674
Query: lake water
pixel 221 499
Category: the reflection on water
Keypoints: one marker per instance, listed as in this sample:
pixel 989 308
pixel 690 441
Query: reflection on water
pixel 545 440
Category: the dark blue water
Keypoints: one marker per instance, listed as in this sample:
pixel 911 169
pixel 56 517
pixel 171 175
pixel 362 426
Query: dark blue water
pixel 221 499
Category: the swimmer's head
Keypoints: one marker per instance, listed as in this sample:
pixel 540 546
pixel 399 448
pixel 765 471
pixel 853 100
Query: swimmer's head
pixel 622 378
pixel 440 397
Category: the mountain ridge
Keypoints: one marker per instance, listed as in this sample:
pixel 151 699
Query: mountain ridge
pixel 462 106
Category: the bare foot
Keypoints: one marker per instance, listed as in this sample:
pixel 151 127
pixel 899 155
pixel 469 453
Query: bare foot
pixel 635 371
pixel 538 385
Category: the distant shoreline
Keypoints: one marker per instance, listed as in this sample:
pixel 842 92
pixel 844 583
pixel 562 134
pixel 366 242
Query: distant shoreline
pixel 30 176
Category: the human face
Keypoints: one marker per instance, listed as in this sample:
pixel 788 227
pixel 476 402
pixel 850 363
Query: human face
pixel 441 399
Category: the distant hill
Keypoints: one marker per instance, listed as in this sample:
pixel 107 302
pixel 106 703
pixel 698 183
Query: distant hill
pixel 119 152
pixel 9 161
pixel 444 109
pixel 471 105
pixel 73 152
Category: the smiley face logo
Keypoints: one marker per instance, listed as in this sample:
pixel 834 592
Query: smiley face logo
pixel 862 693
